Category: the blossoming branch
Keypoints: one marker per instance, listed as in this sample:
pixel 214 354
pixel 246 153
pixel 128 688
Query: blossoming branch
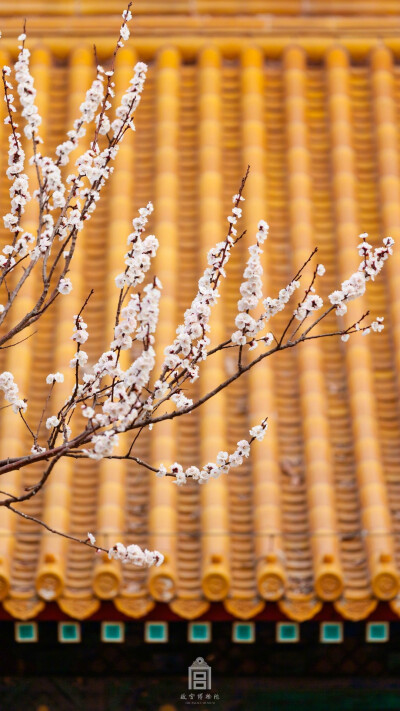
pixel 113 397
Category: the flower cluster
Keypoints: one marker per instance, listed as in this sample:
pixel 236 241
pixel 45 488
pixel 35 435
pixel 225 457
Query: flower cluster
pixel 134 554
pixel 54 378
pixel 52 422
pixel 312 302
pixel 140 317
pixel 258 431
pixel 138 258
pixel 376 326
pixel 251 293
pixel 27 92
pixel 10 390
pixel 80 334
pixel 103 445
pixel 88 109
pixel 130 100
pixel 224 461
pixel 180 400
pixel 369 268
pixel 190 345
pixel 274 306
pixel 351 289
pixel 19 192
pixel 80 358
pixel 130 554
pixel 64 286
pixel 52 181
pixel 373 260
pixel 148 312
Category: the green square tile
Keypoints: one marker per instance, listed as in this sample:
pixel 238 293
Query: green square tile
pixel 156 632
pixel 199 632
pixel 112 632
pixel 287 632
pixel 243 632
pixel 331 632
pixel 69 632
pixel 377 632
pixel 26 632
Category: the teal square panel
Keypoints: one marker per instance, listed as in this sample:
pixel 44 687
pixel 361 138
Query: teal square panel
pixel 287 632
pixel 26 632
pixel 69 632
pixel 331 632
pixel 156 632
pixel 243 632
pixel 112 632
pixel 199 632
pixel 377 632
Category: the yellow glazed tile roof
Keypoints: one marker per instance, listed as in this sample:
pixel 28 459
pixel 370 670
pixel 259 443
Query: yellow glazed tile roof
pixel 314 515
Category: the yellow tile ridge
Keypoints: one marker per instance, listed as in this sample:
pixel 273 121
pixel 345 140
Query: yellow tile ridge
pixel 270 572
pixel 216 578
pixel 80 76
pixel 371 484
pixel 111 522
pixel 163 495
pixel 385 115
pixel 50 574
pixel 21 367
pixel 328 572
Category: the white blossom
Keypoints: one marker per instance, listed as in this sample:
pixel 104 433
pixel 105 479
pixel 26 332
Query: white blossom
pixel 27 94
pixel 130 100
pixel 80 334
pixel 124 32
pixel 377 325
pixel 224 462
pixel 103 445
pixel 88 412
pixel 64 286
pixel 80 358
pixel 52 422
pixel 181 401
pixel 259 431
pixel 10 390
pixel 54 378
pixel 336 297
pixel 36 449
pixel 268 339
pixel 312 302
